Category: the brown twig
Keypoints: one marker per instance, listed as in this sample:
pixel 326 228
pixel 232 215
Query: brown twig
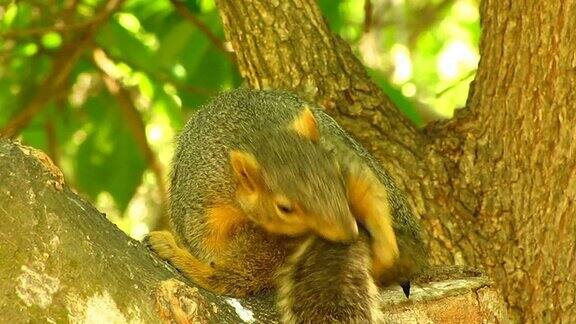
pixel 468 75
pixel 50 130
pixel 188 15
pixel 17 33
pixel 65 60
pixel 367 15
pixel 52 141
pixel 62 26
pixel 135 124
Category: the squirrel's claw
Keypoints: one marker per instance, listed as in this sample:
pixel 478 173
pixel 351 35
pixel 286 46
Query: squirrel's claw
pixel 406 288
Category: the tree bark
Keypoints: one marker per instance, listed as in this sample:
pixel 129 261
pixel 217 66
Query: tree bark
pixel 519 156
pixel 62 261
pixel 495 187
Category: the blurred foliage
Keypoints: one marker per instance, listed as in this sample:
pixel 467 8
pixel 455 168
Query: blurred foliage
pixel 423 53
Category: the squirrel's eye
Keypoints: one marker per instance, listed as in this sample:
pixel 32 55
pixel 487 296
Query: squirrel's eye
pixel 285 209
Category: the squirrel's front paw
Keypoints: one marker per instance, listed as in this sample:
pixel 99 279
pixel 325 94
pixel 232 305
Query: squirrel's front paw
pixel 163 243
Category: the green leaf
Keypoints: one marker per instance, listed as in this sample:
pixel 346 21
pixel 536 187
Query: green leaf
pixel 109 159
pixel 123 44
pixel 51 40
pixel 174 43
pixel 331 10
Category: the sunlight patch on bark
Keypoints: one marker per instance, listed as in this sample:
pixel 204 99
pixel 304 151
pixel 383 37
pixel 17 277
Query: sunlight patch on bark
pixel 36 287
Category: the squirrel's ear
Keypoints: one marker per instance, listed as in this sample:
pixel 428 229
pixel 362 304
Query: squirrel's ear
pixel 305 125
pixel 246 169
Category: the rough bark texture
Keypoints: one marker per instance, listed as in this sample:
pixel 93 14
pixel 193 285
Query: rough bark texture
pixel 62 261
pixel 496 186
pixel 519 155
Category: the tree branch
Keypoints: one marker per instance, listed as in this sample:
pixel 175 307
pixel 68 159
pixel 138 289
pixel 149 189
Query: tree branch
pixel 58 27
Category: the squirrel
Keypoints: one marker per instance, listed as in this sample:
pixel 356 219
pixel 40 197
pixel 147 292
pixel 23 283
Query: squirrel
pixel 255 173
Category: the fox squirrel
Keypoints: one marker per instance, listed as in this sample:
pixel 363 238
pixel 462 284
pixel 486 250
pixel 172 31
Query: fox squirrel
pixel 253 164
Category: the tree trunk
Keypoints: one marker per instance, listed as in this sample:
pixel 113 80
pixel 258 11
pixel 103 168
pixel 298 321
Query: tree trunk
pixel 519 156
pixel 495 186
pixel 61 260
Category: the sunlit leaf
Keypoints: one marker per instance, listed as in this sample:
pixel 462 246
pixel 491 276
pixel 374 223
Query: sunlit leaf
pixel 9 14
pixel 51 40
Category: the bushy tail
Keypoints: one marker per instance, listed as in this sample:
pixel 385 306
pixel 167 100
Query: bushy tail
pixel 326 282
